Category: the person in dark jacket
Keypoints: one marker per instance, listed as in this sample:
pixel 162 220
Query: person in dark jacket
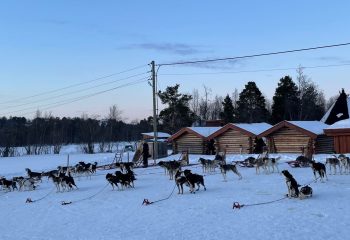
pixel 145 154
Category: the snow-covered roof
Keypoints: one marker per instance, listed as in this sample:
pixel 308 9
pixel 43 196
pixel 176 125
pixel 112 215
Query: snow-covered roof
pixel 205 131
pixel 315 127
pixel 255 128
pixel 160 134
pixel 340 125
pixel 159 140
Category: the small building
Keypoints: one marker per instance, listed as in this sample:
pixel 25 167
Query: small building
pixel 340 132
pixel 192 139
pixel 161 140
pixel 150 135
pixel 238 137
pixel 303 137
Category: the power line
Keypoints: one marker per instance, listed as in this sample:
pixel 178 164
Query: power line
pixel 68 101
pixel 254 55
pixel 73 85
pixel 254 71
pixel 74 92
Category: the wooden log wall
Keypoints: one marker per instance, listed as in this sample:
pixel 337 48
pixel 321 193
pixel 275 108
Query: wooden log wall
pixel 324 144
pixel 189 142
pixel 287 140
pixel 232 140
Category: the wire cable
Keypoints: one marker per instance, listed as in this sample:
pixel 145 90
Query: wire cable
pixel 73 85
pixel 254 71
pixel 68 101
pixel 73 92
pixel 254 55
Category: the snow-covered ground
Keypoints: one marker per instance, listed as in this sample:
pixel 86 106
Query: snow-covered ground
pixel 204 215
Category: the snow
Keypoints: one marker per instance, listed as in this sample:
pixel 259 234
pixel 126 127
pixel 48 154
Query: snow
pixel 204 215
pixel 315 127
pixel 255 128
pixel 205 131
pixel 340 124
pixel 160 134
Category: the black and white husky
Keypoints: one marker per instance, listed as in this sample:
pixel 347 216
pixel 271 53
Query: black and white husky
pixel 292 185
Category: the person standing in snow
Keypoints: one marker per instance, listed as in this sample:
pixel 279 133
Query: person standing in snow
pixel 145 154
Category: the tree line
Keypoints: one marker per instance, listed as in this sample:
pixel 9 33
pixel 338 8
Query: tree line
pixel 293 100
pixel 48 134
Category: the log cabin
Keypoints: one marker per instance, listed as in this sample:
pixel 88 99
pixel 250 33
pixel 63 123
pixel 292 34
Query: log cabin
pixel 303 137
pixel 238 137
pixel 192 139
pixel 340 132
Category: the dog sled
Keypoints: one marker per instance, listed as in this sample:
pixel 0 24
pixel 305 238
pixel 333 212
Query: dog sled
pixel 300 162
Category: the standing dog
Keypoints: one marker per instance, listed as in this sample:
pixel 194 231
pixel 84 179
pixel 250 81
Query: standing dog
pixel 333 162
pixel 229 167
pixel 292 184
pixel 320 168
pixel 194 179
pixel 180 181
pixel 271 163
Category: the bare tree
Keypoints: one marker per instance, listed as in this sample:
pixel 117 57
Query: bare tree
pixel 331 101
pixel 268 104
pixel 204 103
pixel 115 113
pixel 235 98
pixel 215 108
pixel 194 103
pixel 303 82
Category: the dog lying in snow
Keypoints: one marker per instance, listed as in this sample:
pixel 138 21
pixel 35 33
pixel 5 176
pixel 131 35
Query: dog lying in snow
pixel 305 192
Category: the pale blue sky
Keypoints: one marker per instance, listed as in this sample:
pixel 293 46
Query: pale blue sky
pixel 48 45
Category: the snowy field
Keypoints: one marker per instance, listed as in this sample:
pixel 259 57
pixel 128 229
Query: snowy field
pixel 205 215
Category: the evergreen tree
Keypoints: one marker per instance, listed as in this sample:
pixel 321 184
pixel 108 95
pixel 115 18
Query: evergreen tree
pixel 177 114
pixel 285 101
pixel 251 105
pixel 228 111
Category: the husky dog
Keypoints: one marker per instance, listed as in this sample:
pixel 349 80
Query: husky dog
pixel 333 162
pixel 34 175
pixel 194 179
pixel 320 168
pixel 305 192
pixel 170 167
pixel 271 163
pixel 259 163
pixel 344 163
pixel 292 184
pixel 208 165
pixel 113 180
pixel 180 181
pixel 229 167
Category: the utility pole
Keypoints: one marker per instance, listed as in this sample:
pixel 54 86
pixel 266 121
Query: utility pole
pixel 155 131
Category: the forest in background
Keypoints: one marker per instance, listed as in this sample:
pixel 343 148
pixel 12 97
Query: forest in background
pixel 293 100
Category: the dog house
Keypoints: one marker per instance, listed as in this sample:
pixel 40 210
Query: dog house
pixel 303 137
pixel 340 132
pixel 192 139
pixel 238 137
